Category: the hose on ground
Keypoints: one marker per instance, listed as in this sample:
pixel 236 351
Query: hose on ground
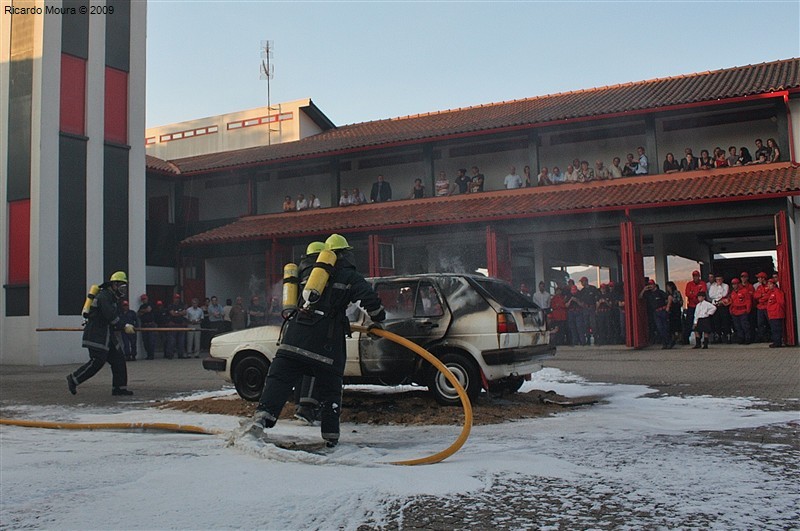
pixel 157 426
pixel 462 395
pixel 183 428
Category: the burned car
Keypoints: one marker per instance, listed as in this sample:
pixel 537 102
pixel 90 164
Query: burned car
pixel 490 337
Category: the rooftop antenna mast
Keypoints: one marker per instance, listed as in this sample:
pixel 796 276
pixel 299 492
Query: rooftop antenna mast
pixel 267 71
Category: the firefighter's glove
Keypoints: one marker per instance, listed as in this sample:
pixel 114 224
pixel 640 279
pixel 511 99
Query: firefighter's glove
pixel 129 329
pixel 371 327
pixel 378 316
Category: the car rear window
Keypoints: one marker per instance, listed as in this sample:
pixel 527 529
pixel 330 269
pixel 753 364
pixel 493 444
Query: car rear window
pixel 504 293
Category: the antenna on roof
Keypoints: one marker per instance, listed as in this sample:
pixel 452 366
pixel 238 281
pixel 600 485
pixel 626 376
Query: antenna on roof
pixel 267 71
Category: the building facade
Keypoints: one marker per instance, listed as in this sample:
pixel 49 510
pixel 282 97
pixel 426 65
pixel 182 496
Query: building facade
pixel 523 235
pixel 72 191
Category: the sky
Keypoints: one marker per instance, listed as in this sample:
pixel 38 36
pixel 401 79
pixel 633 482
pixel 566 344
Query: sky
pixel 370 60
pixel 649 460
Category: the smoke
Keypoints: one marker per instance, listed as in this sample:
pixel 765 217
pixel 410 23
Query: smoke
pixel 256 285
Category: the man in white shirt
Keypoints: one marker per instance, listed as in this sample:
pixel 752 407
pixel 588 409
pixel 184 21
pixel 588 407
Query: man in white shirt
pixel 542 297
pixel 301 203
pixel 195 317
pixel 313 202
pixel 513 180
pixel 702 320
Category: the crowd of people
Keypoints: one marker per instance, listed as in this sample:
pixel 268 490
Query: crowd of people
pixel 208 317
pixel 578 171
pixel 709 311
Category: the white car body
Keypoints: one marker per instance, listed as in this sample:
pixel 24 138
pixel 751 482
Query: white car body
pixel 455 317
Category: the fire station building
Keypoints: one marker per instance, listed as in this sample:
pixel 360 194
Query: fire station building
pixel 216 218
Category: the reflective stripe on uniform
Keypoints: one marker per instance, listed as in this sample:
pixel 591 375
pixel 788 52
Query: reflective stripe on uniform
pixel 307 353
pixel 373 313
pixel 339 285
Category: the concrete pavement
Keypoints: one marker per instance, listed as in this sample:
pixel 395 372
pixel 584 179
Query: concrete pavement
pixel 722 370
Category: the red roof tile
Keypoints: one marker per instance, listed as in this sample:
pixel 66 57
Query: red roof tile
pixel 630 97
pixel 162 166
pixel 731 184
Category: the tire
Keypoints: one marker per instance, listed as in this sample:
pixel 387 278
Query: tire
pixel 249 376
pixel 466 372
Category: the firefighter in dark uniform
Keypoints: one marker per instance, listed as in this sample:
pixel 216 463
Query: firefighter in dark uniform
pixel 306 392
pixel 313 342
pixel 102 337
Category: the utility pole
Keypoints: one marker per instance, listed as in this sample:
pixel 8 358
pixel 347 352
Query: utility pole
pixel 267 71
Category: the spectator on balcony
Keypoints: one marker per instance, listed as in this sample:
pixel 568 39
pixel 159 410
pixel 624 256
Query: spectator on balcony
pixel 670 164
pixel 733 156
pixel 629 170
pixel 744 157
pixel 705 162
pixel 462 181
pixel 357 197
pixel 301 203
pixel 526 177
pixel 720 161
pixel 418 190
pixel 345 199
pixel 477 181
pixel 442 185
pixel 600 171
pixel 576 163
pixel 571 175
pixel 688 162
pixel 313 202
pixel 512 181
pixel 381 191
pixel 775 151
pixel 761 149
pixel 544 178
pixel 585 173
pixel 556 177
pixel 288 204
pixel 615 171
pixel 642 168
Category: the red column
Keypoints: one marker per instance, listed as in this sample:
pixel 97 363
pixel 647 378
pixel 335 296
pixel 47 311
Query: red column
pixel 633 279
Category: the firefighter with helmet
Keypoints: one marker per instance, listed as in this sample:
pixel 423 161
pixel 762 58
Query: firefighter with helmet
pixel 306 395
pixel 313 341
pixel 101 336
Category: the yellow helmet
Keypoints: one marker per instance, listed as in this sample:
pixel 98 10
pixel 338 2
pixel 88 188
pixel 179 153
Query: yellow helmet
pixel 119 276
pixel 336 242
pixel 315 248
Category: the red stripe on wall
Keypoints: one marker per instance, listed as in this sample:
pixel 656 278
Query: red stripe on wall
pixel 116 106
pixel 19 241
pixel 73 94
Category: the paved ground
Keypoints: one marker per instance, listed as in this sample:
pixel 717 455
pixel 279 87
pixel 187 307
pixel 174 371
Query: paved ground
pixel 753 371
pixel 722 370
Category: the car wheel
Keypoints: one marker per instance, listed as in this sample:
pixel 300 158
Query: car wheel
pixel 249 376
pixel 466 372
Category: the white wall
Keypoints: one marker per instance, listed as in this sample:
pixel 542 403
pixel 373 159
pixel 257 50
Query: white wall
pixel 225 139
pixel 794 109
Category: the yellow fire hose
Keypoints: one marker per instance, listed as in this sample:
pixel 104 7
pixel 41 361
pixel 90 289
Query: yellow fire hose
pixel 465 403
pixel 185 428
pixel 159 426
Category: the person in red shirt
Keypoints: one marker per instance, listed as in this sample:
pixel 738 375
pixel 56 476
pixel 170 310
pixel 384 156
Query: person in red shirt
pixel 692 289
pixel 760 295
pixel 745 278
pixel 741 304
pixel 776 311
pixel 558 319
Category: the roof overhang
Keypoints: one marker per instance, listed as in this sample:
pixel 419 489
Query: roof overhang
pixel 767 181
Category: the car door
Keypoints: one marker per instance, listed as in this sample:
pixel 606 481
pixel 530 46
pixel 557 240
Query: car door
pixel 415 310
